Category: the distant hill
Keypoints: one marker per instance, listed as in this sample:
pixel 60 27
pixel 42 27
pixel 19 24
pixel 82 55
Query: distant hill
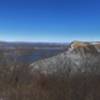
pixel 28 52
pixel 12 45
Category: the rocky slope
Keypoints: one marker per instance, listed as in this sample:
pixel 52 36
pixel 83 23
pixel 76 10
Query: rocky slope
pixel 79 57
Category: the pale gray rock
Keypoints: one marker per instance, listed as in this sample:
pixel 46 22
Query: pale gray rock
pixel 83 58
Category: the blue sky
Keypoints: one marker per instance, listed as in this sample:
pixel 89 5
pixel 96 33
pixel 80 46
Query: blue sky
pixel 49 20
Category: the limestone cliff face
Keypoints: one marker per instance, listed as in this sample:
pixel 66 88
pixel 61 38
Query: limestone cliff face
pixel 80 57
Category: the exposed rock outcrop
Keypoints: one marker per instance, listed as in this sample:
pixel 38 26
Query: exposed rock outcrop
pixel 80 57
